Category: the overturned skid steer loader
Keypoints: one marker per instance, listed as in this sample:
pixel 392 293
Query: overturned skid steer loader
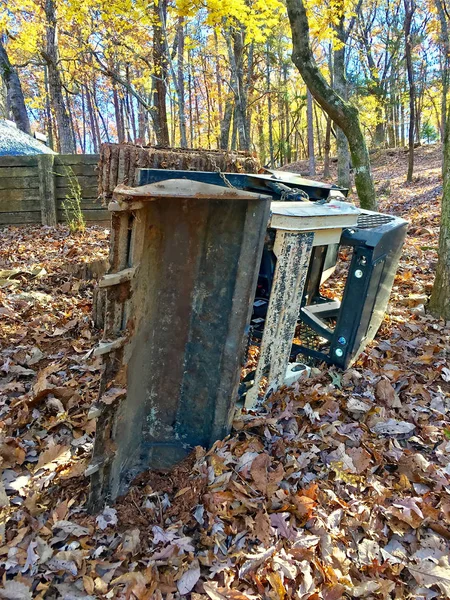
pixel 201 263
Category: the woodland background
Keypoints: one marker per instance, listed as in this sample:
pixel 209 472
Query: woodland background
pixel 339 486
pixel 215 74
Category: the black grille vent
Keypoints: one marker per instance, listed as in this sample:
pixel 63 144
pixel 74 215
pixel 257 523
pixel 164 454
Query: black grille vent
pixel 370 221
pixel 310 339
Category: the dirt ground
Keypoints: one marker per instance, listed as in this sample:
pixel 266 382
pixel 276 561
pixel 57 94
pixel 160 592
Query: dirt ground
pixel 338 487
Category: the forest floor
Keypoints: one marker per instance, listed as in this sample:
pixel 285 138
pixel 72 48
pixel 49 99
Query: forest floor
pixel 339 487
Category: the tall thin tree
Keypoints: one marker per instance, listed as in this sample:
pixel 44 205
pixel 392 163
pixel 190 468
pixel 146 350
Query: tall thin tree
pixel 409 12
pixel 14 99
pixel 343 113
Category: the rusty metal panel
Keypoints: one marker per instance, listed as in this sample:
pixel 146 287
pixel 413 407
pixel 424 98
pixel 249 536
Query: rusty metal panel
pixel 189 300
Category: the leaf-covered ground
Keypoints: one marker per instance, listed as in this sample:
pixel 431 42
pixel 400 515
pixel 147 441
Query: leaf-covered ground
pixel 338 488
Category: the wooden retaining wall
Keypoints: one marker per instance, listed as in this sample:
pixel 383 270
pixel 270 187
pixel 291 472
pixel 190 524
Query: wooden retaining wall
pixel 33 188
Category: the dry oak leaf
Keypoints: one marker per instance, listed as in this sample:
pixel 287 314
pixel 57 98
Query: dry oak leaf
pixel 216 593
pixel 361 459
pixel 393 427
pixel 304 505
pixel 68 528
pixel 265 481
pixel 263 529
pixel 113 394
pixel 428 573
pixel 385 393
pixel 188 580
pixel 11 453
pixel 15 590
pixel 42 387
pixel 276 583
pixel 76 469
pixel 53 457
pixel 259 470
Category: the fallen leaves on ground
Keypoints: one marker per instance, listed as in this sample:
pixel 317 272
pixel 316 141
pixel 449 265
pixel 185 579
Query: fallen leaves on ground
pixel 338 487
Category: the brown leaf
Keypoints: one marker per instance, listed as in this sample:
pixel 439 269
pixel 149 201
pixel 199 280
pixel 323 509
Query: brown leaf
pixel 360 457
pixel 274 478
pixel 263 529
pixel 11 453
pixel 15 590
pixel 333 592
pixel 42 387
pixel 88 584
pixel 304 505
pixel 386 394
pixel 259 473
pixel 113 394
pixel 217 593
pixel 75 470
pixel 54 456
pixel 276 584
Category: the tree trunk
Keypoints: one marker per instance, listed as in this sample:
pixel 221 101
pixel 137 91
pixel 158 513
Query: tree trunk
pixel 343 113
pixel 409 11
pixel 218 75
pixel 340 85
pixel 180 84
pixel 4 110
pixel 14 100
pixel 50 55
pixel 318 133
pixel 159 81
pixel 327 149
pixel 286 110
pixel 439 301
pixel 402 123
pixel 261 139
pixel 226 124
pixel 95 131
pixel 191 109
pixel 142 124
pixel 48 111
pixel 310 123
pixel 445 52
pixel 235 44
pixel 83 112
pixel 269 106
pixel 71 121
pixel 119 122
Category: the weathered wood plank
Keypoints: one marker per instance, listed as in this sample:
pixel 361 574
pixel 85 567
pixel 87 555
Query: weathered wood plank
pixel 89 215
pixel 47 189
pixel 78 169
pixel 83 180
pixel 106 347
pixel 86 204
pixel 117 278
pixel 97 215
pixel 18 183
pixel 19 161
pixel 118 206
pixel 7 172
pixel 21 194
pixel 20 218
pixel 86 193
pixel 77 159
pixel 7 206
